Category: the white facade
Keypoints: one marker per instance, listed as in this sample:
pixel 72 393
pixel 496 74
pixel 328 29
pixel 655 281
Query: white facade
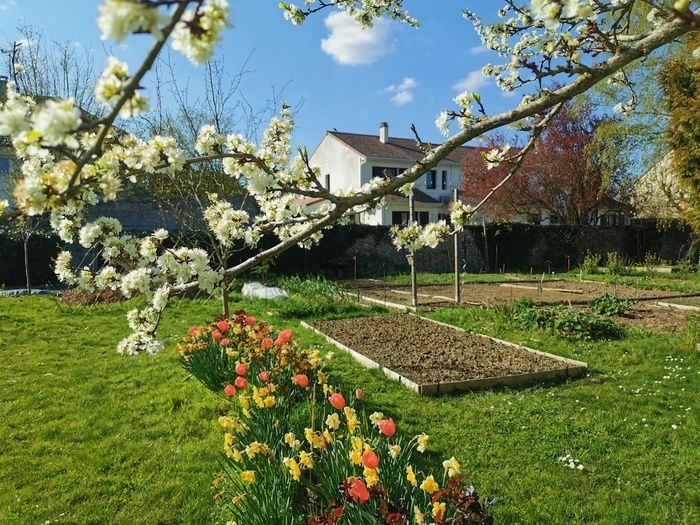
pixel 343 167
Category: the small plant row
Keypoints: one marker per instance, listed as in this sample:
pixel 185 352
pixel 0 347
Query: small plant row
pixel 297 450
pixel 564 321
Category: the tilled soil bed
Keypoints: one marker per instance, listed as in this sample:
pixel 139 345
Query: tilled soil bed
pixel 427 353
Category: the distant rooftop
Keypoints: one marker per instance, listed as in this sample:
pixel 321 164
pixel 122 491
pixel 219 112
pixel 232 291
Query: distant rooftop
pixel 397 148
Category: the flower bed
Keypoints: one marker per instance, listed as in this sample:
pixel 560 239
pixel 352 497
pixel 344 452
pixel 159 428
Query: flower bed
pixel 299 451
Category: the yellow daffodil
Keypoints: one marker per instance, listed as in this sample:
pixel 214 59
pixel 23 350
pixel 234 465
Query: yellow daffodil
pixel 376 417
pixel 419 516
pixel 371 476
pixel 306 459
pixel 333 421
pixel 351 418
pixel 422 443
pixel 248 476
pixel 438 509
pixel 356 457
pixel 394 451
pixel 269 401
pixel 429 485
pixel 411 476
pixel 452 467
pixel 322 378
pixel 293 467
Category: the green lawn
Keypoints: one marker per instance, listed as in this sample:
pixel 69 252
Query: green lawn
pixel 89 436
pixel 92 437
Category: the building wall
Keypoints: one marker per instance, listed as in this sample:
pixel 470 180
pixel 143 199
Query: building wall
pixel 339 161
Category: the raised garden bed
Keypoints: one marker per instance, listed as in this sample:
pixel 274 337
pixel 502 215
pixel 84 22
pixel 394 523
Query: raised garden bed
pixel 434 358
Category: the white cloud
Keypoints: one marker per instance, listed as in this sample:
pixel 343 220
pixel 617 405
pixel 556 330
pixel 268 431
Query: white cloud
pixel 477 50
pixel 403 93
pixel 402 97
pixel 351 45
pixel 7 4
pixel 472 81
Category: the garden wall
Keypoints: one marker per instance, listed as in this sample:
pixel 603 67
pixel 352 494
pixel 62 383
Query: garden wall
pixel 368 252
pixel 44 245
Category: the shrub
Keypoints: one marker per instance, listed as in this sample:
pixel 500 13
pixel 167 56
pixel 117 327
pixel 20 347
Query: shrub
pixel 564 321
pixel 610 305
pixel 590 263
pixel 614 264
pixel 312 288
pixel 297 451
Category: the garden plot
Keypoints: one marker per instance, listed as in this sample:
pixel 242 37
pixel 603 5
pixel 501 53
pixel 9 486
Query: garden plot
pixel 434 358
pixel 499 294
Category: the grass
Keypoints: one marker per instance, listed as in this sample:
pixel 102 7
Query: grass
pixel 89 436
pixel 113 439
pixel 672 282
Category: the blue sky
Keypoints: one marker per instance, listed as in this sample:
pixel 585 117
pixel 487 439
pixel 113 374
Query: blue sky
pixel 348 79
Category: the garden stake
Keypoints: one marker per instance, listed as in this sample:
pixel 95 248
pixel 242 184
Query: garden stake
pixel 456 241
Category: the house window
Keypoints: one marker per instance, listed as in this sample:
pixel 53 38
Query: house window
pixel 384 172
pixel 444 179
pixel 328 182
pixel 421 217
pixel 431 180
pixel 444 217
pixel 399 218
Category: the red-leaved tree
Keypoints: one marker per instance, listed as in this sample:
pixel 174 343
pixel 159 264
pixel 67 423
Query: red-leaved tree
pixel 561 178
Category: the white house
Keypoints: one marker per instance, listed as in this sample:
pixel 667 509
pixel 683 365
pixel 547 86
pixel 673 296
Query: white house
pixel 349 160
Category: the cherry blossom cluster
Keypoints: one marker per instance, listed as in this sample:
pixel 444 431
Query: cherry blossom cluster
pixel 70 160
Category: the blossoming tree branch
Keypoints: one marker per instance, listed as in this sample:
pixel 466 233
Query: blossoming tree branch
pixel 552 49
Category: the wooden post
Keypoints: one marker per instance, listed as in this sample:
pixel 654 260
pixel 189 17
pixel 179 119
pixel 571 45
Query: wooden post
pixel 458 291
pixel 412 258
pixel 486 246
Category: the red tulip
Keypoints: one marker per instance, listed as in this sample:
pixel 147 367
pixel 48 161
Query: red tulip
pixel 301 380
pixel 267 343
pixel 359 394
pixel 249 320
pixel 284 337
pixel 195 330
pixel 240 382
pixel 264 376
pixel 241 369
pixel 337 401
pixel 370 459
pixel 358 491
pixel 216 335
pixel 230 390
pixel 222 325
pixel 387 427
pixel 225 341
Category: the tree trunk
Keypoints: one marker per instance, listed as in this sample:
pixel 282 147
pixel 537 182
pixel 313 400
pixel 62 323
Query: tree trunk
pixel 26 265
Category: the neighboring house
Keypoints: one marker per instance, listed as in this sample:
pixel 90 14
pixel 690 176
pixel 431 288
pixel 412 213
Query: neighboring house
pixel 349 160
pixel 657 194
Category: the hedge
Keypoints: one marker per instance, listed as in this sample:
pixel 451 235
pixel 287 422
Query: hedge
pixel 44 246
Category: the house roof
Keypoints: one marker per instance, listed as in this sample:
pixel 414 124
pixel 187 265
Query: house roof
pixel 396 148
pixel 418 196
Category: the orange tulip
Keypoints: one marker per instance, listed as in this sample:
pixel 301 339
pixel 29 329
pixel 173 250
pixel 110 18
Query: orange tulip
pixel 370 459
pixel 337 401
pixel 240 382
pixel 387 427
pixel 284 337
pixel 230 390
pixel 264 376
pixel 241 369
pixel 301 380
pixel 358 491
pixel 222 325
pixel 267 343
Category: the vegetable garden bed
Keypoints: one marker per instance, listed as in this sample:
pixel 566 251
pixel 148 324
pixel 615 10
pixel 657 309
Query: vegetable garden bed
pixel 434 358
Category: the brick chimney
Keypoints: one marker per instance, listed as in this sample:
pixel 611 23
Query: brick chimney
pixel 384 132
